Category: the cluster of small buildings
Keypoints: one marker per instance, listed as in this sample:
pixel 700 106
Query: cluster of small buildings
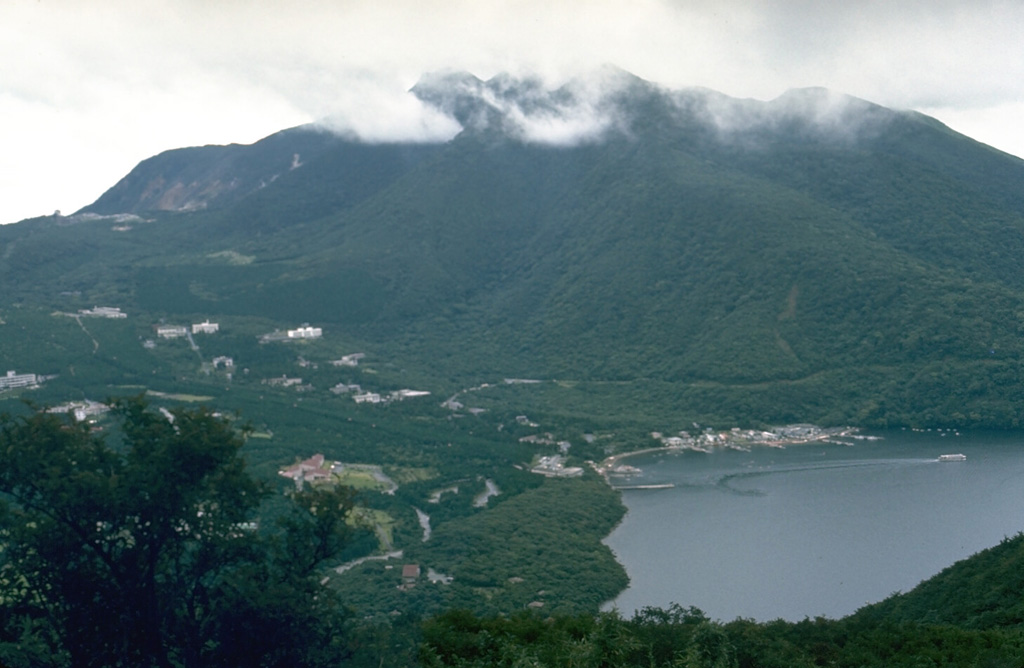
pixel 224 360
pixel 797 431
pixel 82 410
pixel 303 332
pixel 308 470
pixel 525 421
pixel 375 398
pixel 553 466
pixel 743 438
pixel 283 381
pixel 684 440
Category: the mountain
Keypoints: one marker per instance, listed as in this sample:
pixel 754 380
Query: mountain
pixel 664 252
pixel 218 177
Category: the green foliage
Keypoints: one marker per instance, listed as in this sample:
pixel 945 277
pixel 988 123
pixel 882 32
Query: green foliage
pixel 777 274
pixel 142 554
pixel 981 592
pixel 656 639
pixel 968 615
pixel 541 546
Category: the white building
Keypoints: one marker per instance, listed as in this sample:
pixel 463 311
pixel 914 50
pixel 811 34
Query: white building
pixel 283 381
pixel 349 360
pixel 103 312
pixel 367 398
pixel 13 380
pixel 171 331
pixel 205 327
pixel 554 467
pixel 408 394
pixel 305 332
pixel 226 361
pixel 82 410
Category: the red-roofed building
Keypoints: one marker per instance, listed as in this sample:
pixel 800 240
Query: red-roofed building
pixel 307 470
pixel 410 574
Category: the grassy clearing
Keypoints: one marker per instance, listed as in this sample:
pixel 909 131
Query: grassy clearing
pixel 360 477
pixel 406 474
pixel 380 521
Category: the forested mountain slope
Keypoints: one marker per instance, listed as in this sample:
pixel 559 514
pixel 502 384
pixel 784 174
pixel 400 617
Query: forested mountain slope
pixel 816 257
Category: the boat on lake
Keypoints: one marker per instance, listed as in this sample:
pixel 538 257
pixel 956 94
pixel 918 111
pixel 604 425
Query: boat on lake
pixel 953 458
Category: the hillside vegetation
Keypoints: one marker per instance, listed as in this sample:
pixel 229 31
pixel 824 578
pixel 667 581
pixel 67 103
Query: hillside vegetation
pixel 574 270
pixel 815 257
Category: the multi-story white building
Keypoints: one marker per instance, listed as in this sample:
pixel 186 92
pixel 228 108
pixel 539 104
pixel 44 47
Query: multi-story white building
pixel 103 312
pixel 205 327
pixel 13 380
pixel 171 331
pixel 305 332
pixel 283 381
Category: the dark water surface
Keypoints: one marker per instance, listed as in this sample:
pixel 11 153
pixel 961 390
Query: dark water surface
pixel 813 529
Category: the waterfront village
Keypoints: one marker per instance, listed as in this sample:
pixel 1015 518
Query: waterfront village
pixel 551 459
pixel 316 470
pixel 737 439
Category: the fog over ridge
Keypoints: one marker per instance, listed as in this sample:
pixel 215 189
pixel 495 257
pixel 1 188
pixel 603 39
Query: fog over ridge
pixel 101 86
pixel 587 109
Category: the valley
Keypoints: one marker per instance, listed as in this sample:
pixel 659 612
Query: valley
pixel 400 453
pixel 473 335
pixel 497 454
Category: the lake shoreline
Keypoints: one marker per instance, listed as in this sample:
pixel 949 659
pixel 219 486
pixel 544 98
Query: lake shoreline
pixel 812 531
pixel 725 441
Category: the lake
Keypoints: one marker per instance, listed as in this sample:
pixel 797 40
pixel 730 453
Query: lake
pixel 815 529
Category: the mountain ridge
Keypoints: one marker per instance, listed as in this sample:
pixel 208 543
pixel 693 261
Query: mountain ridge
pixel 811 257
pixel 583 109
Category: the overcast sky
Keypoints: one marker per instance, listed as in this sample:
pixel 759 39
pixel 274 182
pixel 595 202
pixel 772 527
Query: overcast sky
pixel 90 88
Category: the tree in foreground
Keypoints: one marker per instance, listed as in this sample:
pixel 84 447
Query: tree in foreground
pixel 144 553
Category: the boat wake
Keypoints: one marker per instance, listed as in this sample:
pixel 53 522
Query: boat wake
pixel 731 482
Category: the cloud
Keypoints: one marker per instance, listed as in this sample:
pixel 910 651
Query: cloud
pixel 371 113
pixel 116 81
pixel 999 125
pixel 526 108
pixel 583 110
